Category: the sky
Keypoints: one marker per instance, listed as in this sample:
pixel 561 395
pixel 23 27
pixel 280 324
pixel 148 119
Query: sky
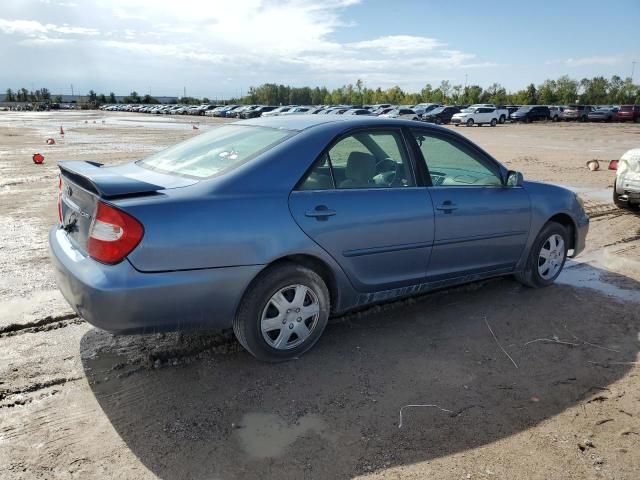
pixel 219 48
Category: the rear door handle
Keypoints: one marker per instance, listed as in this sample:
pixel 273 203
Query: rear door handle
pixel 321 212
pixel 447 206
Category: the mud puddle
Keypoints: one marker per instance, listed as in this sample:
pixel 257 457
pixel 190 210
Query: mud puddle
pixel 613 271
pixel 266 435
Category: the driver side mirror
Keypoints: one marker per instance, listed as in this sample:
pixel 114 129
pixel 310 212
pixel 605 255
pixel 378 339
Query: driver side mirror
pixel 514 179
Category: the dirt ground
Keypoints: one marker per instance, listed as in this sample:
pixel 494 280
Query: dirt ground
pixel 510 382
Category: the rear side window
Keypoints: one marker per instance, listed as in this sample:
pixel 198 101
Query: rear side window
pixel 362 160
pixel 220 150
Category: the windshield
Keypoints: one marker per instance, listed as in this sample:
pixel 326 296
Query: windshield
pixel 437 110
pixel 524 109
pixel 468 110
pixel 220 150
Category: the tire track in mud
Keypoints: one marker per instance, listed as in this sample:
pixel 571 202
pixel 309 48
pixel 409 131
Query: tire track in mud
pixel 34 387
pixel 599 209
pixel 42 325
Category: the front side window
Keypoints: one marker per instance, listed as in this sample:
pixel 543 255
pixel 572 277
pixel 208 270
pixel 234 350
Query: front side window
pixel 451 165
pixel 217 151
pixel 362 160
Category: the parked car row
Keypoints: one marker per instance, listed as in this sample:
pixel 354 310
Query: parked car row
pixel 170 109
pixel 469 115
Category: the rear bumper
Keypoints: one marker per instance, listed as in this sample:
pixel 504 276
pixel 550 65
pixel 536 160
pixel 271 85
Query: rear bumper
pixel 628 187
pixel 120 299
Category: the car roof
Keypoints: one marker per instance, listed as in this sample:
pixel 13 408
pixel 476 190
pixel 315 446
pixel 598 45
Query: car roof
pixel 303 122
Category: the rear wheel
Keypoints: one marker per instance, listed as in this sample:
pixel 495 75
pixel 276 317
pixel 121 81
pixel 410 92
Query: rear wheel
pixel 283 313
pixel 470 122
pixel 494 122
pixel 546 257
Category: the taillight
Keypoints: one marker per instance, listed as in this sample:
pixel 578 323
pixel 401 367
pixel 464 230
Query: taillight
pixel 113 234
pixel 60 198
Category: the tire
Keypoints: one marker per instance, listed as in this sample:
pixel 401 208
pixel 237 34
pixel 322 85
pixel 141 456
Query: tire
pixel 537 275
pixel 502 119
pixel 616 199
pixel 494 122
pixel 258 309
pixel 527 120
pixel 438 121
pixel 470 122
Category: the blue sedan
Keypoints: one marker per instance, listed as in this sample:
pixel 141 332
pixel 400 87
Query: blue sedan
pixel 272 225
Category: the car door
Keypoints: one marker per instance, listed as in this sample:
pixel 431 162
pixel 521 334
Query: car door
pixel 486 114
pixel 361 203
pixel 481 225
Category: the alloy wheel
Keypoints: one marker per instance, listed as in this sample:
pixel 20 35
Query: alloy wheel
pixel 551 257
pixel 290 317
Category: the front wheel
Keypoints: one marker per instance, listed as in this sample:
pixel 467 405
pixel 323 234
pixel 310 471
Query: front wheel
pixel 283 313
pixel 470 122
pixel 494 122
pixel 546 257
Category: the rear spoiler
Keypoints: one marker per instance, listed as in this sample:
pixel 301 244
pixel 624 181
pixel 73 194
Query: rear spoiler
pixel 103 181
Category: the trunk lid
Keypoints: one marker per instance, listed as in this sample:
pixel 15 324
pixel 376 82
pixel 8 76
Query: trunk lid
pixel 84 184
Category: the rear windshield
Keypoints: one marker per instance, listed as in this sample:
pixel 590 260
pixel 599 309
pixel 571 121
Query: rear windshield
pixel 217 151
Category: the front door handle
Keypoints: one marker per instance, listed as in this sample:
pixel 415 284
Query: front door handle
pixel 447 206
pixel 321 212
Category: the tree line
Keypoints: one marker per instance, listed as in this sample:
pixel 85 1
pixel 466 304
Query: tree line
pixel 564 90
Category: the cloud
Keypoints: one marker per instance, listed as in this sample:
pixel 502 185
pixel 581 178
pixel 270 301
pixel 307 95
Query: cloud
pixel 251 41
pixel 33 28
pixel 587 61
pixel 44 40
pixel 394 44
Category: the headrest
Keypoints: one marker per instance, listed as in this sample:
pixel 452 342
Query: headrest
pixel 360 166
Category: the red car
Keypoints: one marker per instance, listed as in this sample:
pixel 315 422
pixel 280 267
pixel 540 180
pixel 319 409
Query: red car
pixel 629 113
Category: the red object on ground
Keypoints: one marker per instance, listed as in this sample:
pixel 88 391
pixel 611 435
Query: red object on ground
pixel 51 141
pixel 613 164
pixel 61 130
pixel 38 158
